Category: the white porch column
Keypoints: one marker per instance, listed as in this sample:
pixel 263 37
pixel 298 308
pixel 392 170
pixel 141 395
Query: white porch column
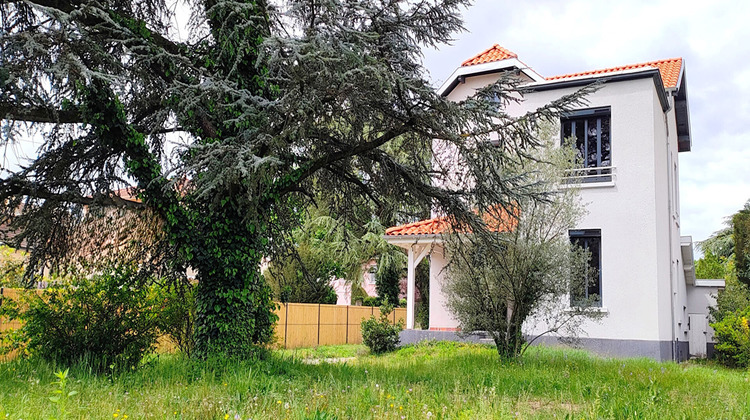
pixel 415 255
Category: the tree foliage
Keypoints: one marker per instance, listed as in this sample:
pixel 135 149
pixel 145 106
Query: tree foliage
pixel 274 105
pixel 388 277
pixel 323 249
pixel 711 266
pixel 741 234
pixel 522 275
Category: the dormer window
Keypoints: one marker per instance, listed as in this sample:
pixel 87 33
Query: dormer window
pixel 589 130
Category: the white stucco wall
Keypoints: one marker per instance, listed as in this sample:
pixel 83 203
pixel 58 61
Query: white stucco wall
pixel 641 271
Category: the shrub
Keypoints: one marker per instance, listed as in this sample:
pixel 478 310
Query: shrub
pixel 177 315
pixel 733 339
pixel 11 267
pixel 381 335
pixel 107 320
pixel 371 301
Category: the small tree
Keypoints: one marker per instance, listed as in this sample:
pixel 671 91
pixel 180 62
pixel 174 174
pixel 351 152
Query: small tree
pixel 380 335
pixel 741 224
pixel 711 266
pixel 422 283
pixel 388 278
pixel 523 269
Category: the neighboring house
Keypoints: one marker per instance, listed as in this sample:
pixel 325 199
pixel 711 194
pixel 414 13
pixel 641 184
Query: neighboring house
pixel 343 288
pixel 629 136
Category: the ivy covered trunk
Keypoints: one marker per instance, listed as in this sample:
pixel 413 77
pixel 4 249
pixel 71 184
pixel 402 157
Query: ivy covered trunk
pixel 234 311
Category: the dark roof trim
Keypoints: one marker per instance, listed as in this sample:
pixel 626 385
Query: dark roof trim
pixel 569 83
pixel 463 77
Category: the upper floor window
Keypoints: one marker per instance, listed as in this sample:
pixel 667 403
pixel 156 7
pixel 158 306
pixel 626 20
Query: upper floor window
pixel 589 130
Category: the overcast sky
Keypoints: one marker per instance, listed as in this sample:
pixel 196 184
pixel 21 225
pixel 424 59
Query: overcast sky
pixel 558 37
pixel 713 38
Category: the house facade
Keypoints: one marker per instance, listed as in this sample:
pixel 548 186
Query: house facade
pixel 629 138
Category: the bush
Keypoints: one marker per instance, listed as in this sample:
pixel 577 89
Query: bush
pixel 380 335
pixel 11 267
pixel 107 321
pixel 371 301
pixel 733 339
pixel 177 315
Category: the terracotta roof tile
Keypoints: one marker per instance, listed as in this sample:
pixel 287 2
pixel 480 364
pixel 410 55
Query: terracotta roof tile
pixel 670 71
pixel 434 226
pixel 439 225
pixel 494 53
pixel 127 194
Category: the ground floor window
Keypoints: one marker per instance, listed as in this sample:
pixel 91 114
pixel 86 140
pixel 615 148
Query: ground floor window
pixel 589 291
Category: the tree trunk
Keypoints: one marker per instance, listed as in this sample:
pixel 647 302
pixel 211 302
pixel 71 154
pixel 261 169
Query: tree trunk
pixel 234 311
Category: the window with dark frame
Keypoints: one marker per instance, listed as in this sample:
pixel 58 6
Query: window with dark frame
pixel 589 292
pixel 590 131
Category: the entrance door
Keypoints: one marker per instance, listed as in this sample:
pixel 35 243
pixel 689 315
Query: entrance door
pixel 697 334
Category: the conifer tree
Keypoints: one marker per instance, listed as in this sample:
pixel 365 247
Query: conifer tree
pixel 273 104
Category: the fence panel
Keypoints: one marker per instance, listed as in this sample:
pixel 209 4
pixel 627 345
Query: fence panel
pixel 332 324
pixel 302 325
pixel 5 324
pixel 309 325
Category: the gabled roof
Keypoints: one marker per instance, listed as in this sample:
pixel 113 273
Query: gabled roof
pixel 494 53
pixel 670 70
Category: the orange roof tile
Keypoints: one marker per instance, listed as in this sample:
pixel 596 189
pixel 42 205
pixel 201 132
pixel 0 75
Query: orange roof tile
pixel 494 53
pixel 434 226
pixel 127 194
pixel 670 71
pixel 440 225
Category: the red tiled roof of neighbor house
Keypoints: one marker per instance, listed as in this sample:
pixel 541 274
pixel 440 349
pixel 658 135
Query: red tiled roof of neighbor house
pixel 669 69
pixel 494 53
pixel 440 225
pixel 127 194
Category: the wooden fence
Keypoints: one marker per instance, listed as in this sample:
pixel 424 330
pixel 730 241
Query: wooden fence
pixel 311 324
pixel 299 325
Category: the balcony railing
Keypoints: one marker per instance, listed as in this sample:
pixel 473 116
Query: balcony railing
pixel 591 175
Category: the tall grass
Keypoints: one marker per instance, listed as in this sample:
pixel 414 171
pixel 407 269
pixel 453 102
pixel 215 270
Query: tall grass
pixel 446 380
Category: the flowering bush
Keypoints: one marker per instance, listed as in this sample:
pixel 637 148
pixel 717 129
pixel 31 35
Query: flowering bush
pixel 381 336
pixel 108 320
pixel 733 338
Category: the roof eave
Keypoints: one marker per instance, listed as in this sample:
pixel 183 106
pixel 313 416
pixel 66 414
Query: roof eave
pixel 606 78
pixel 486 68
pixel 406 241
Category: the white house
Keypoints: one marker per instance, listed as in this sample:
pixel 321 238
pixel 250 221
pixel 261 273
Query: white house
pixel 632 132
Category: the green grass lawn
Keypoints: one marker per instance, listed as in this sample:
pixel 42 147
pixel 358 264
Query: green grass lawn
pixel 437 381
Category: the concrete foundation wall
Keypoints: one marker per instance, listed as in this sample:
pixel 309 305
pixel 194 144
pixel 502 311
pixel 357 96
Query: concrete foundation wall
pixel 652 349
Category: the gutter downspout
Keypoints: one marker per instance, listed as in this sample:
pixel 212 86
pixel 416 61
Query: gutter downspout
pixel 670 99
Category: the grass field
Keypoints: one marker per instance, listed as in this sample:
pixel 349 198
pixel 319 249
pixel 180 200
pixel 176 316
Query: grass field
pixel 435 381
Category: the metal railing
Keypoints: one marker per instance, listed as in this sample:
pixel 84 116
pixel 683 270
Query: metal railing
pixel 589 175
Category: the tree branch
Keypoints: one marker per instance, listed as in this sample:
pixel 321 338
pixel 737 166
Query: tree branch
pixel 15 187
pixel 38 114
